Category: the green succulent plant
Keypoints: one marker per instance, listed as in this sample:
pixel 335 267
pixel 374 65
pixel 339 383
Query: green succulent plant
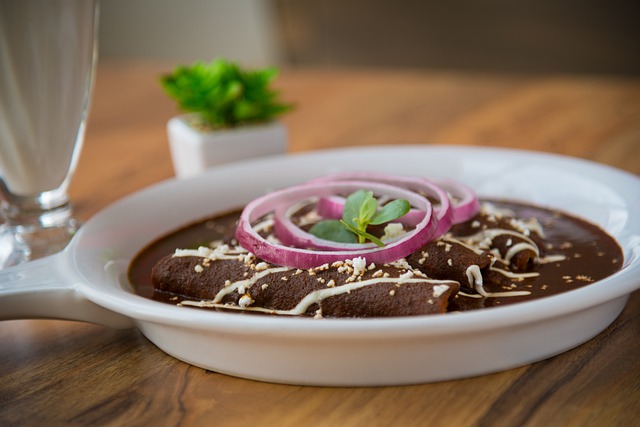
pixel 223 94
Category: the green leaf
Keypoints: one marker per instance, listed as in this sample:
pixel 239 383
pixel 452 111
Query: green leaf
pixel 333 230
pixel 392 210
pixel 351 210
pixel 368 209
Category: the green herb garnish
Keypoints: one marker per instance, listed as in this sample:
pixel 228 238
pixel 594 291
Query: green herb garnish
pixel 360 211
pixel 224 94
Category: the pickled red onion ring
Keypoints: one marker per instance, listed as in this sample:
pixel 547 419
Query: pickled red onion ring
pixel 331 207
pixel 466 204
pixel 304 258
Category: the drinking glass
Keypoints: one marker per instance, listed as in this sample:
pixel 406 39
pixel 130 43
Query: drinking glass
pixel 47 60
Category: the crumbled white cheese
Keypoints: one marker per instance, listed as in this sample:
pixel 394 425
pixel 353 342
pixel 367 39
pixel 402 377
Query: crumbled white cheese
pixel 262 266
pixel 321 267
pixel 245 301
pixel 359 265
pixel 438 290
pixel 393 229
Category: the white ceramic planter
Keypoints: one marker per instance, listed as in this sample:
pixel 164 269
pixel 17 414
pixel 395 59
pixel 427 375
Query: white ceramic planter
pixel 193 151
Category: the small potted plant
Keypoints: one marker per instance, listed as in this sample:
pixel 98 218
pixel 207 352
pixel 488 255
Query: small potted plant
pixel 230 114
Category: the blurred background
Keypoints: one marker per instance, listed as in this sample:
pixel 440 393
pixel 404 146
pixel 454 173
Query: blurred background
pixel 524 36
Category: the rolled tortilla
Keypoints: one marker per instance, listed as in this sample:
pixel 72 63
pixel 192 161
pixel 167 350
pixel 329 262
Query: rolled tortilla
pixel 232 279
pixel 450 259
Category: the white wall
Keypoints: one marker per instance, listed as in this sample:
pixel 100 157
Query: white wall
pixel 188 30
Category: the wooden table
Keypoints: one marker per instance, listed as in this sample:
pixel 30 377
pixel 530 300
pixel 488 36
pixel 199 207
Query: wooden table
pixel 66 373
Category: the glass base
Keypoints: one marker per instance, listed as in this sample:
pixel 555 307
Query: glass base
pixel 22 244
pixel 34 226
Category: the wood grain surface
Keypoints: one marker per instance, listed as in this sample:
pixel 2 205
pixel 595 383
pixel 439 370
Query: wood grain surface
pixel 67 373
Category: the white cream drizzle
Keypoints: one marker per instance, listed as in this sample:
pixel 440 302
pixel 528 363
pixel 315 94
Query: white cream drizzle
pixel 513 275
pixel 242 285
pixel 318 295
pixel 496 294
pixel 484 239
pixel 474 277
pixel 520 247
pixel 551 259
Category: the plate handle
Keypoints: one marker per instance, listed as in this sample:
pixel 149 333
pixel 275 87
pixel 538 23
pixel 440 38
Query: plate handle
pixel 44 289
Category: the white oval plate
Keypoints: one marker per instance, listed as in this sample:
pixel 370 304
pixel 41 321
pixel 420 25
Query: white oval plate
pixel 88 280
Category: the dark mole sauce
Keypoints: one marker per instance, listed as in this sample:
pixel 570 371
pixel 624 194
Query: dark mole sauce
pixel 590 255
